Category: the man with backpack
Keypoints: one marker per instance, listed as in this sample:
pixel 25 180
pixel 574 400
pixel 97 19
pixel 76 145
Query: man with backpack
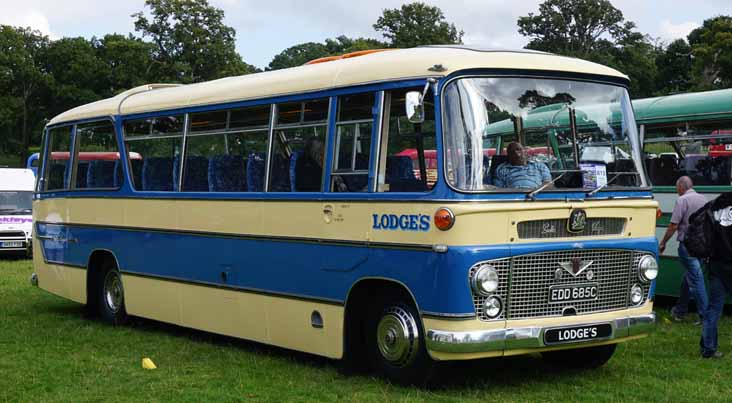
pixel 712 226
pixel 688 203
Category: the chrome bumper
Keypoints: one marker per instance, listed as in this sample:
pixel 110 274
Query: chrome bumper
pixel 526 337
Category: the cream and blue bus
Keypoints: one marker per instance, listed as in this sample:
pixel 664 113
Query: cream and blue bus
pixel 297 208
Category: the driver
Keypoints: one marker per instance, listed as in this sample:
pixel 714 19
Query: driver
pixel 519 172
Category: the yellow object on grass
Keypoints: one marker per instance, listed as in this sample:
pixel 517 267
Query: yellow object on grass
pixel 148 363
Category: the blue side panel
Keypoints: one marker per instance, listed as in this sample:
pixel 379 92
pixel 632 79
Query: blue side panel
pixel 438 281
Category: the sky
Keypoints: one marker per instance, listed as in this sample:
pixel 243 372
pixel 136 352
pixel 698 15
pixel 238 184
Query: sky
pixel 265 28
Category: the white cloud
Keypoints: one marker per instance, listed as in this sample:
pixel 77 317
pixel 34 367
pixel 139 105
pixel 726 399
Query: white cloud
pixel 671 31
pixel 28 18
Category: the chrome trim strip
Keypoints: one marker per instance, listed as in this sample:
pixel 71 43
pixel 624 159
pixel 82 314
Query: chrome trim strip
pixel 479 341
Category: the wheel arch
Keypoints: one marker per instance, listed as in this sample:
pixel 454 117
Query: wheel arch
pixel 356 304
pixel 93 272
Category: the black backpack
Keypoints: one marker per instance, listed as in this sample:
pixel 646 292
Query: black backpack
pixel 698 239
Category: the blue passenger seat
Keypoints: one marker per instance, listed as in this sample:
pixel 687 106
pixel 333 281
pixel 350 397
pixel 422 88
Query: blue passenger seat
pixel 227 173
pixel 255 172
pixel 100 174
pixel 195 177
pixel 280 178
pixel 157 174
pixel 400 175
pixel 293 169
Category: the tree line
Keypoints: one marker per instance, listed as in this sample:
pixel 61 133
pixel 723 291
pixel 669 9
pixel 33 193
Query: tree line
pixel 187 41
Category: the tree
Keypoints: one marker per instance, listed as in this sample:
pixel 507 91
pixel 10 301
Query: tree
pixel 417 24
pixel 712 49
pixel 594 30
pixel 22 81
pixel 300 54
pixel 192 43
pixel 573 27
pixel 674 66
pixel 76 75
pixel 128 62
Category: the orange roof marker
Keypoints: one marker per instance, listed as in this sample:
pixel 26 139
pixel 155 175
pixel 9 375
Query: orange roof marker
pixel 346 56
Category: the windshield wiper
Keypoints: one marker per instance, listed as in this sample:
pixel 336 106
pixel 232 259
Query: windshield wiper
pixel 599 188
pixel 532 195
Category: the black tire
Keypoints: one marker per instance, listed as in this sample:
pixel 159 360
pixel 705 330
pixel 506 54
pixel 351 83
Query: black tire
pixel 581 358
pixel 110 297
pixel 395 343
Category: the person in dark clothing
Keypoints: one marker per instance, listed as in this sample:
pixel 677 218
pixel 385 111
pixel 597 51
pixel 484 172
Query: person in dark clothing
pixel 309 167
pixel 720 272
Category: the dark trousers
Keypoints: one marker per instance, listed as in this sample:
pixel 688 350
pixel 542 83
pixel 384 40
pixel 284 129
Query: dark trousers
pixel 720 285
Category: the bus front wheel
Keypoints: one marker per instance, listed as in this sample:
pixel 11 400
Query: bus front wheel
pixel 581 358
pixel 111 297
pixel 396 343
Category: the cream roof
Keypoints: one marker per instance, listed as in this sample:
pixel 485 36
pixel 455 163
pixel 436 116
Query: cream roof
pixel 375 67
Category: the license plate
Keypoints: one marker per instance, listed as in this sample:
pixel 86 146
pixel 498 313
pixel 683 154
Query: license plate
pixel 576 334
pixel 12 244
pixel 573 293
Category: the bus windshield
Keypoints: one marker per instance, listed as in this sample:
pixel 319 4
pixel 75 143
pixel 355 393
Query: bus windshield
pixel 16 202
pixel 572 135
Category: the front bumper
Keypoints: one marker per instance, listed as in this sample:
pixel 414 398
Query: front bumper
pixel 25 244
pixel 481 341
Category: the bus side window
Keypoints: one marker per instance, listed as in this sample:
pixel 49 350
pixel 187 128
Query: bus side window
pixel 94 170
pixel 353 143
pixel 158 142
pixel 57 159
pixel 226 150
pixel 298 152
pixel 404 145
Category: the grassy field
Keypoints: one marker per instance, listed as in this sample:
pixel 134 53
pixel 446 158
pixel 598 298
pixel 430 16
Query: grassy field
pixel 49 351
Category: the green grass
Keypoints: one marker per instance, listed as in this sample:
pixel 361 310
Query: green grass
pixel 50 351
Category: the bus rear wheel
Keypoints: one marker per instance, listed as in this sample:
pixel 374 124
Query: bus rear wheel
pixel 581 358
pixel 395 341
pixel 111 301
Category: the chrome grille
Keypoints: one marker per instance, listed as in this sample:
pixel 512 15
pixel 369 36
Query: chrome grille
pixel 12 234
pixel 524 282
pixel 502 266
pixel 557 228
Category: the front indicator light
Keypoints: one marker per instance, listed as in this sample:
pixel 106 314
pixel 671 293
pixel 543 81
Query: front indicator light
pixel 636 294
pixel 648 268
pixel 492 307
pixel 444 218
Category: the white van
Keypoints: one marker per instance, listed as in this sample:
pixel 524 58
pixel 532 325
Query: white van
pixel 16 215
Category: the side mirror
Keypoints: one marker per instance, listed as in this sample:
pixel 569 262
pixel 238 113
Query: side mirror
pixel 415 107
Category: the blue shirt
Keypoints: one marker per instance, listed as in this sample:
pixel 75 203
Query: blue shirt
pixel 529 176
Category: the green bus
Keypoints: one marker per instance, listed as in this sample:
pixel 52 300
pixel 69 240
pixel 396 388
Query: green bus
pixel 686 134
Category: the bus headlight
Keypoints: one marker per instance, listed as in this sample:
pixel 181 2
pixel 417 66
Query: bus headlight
pixel 492 307
pixel 648 268
pixel 636 294
pixel 485 280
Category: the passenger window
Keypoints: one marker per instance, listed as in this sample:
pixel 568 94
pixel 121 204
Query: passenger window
pixel 299 147
pixel 57 159
pixel 155 144
pixel 353 143
pixel 229 157
pixel 97 159
pixel 408 160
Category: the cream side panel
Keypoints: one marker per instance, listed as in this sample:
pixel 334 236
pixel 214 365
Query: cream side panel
pixel 476 223
pixel 153 299
pixel 64 281
pixel 267 319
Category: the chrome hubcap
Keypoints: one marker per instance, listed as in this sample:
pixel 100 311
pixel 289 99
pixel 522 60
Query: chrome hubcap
pixel 113 291
pixel 397 336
